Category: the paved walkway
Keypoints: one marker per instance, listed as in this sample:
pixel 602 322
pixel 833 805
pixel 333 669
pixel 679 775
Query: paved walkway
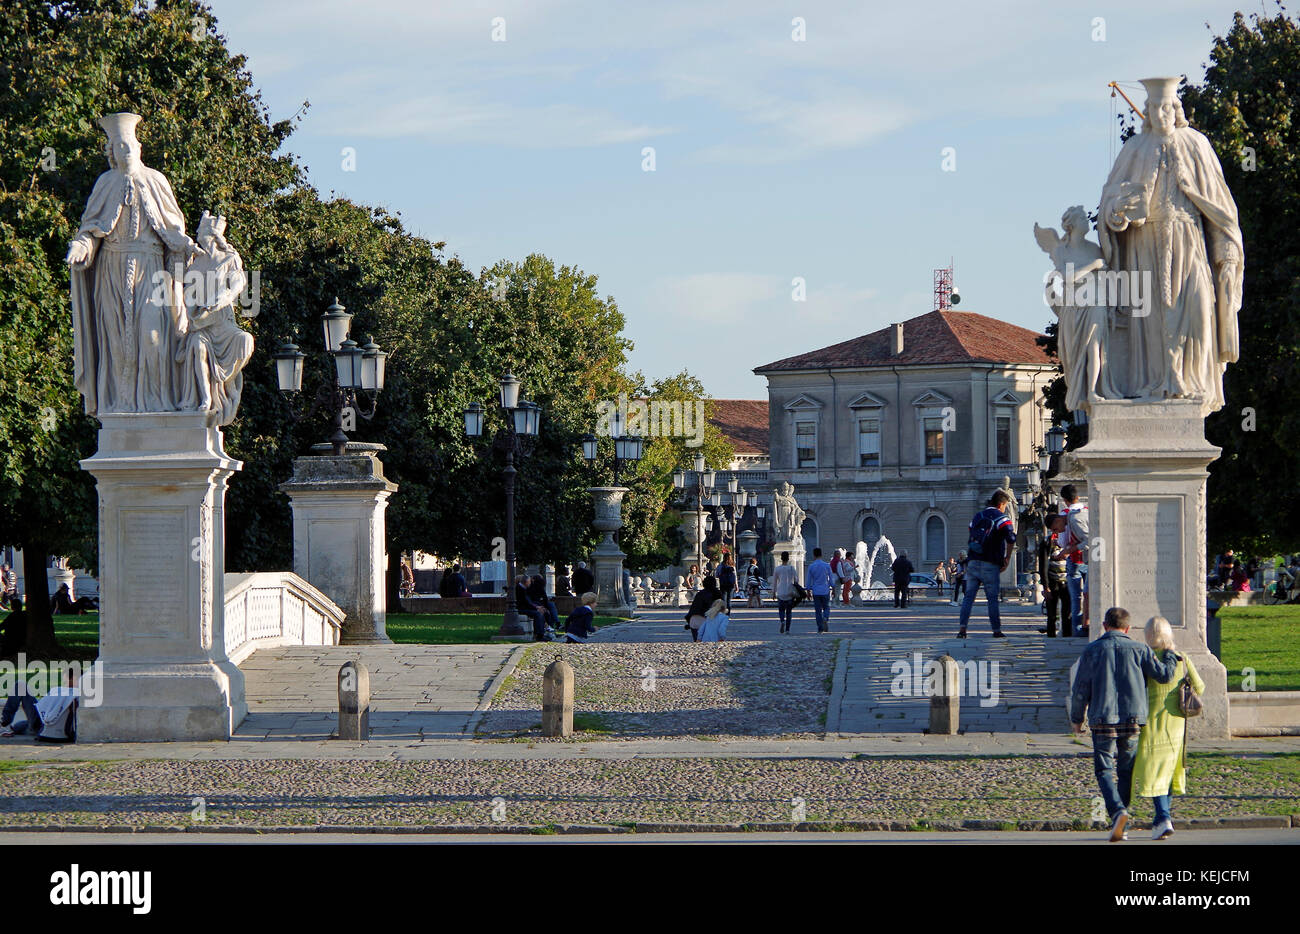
pixel 418 692
pixel 1018 684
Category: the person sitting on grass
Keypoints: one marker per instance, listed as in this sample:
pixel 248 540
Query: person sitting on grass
pixel 581 623
pixel 714 628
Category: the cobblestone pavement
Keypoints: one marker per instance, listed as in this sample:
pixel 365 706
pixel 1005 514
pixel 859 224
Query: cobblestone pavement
pixel 418 692
pixel 355 793
pixel 626 690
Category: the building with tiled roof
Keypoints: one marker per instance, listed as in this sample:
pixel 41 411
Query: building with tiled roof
pixel 744 423
pixel 906 431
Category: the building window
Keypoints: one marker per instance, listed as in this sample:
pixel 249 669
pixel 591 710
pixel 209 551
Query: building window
pixel 934 442
pixel 1004 439
pixel 869 442
pixel 805 444
pixel 936 539
pixel 870 530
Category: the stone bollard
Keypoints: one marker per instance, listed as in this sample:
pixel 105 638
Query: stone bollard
pixel 945 703
pixel 354 701
pixel 557 699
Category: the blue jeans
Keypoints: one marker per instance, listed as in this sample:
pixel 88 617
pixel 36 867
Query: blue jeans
pixel 1074 579
pixel 29 707
pixel 982 572
pixel 1161 804
pixel 1112 763
pixel 822 607
pixel 785 611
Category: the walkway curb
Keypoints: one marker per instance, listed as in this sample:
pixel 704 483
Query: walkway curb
pixel 838 685
pixel 512 661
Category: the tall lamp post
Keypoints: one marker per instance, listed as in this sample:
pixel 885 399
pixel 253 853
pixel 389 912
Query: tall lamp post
pixel 523 420
pixel 703 480
pixel 356 382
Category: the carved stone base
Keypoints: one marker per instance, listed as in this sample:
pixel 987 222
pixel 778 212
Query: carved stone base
pixel 796 550
pixel 1146 465
pixel 165 671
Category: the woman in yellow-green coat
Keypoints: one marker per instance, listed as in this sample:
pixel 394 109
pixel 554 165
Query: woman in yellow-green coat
pixel 1158 770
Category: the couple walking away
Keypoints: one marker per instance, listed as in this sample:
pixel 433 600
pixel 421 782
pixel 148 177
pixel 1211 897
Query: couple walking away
pixel 1137 704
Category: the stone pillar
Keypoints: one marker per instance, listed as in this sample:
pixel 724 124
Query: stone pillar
pixel 354 701
pixel 1146 465
pixel 607 558
pixel 945 701
pixel 690 527
pixel 165 674
pixel 61 574
pixel 557 699
pixel 338 534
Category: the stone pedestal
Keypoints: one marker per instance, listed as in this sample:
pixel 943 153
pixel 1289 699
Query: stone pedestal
pixel 691 534
pixel 796 557
pixel 1146 466
pixel 61 574
pixel 165 672
pixel 607 558
pixel 338 534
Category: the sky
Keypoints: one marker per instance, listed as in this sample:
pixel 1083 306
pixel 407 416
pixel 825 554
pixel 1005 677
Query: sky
pixel 855 147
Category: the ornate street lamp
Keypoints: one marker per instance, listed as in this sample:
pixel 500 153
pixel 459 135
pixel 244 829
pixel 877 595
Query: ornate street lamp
pixel 356 382
pixel 522 423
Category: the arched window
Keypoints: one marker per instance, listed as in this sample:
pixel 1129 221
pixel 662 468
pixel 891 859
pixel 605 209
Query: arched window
pixel 870 530
pixel 936 539
pixel 809 530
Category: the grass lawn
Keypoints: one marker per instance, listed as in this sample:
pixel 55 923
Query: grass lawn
pixel 453 628
pixel 80 634
pixel 1265 638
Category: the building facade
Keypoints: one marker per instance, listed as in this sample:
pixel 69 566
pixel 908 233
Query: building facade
pixel 905 432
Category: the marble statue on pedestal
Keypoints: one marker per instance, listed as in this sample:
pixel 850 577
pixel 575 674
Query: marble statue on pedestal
pixel 1167 216
pixel 789 514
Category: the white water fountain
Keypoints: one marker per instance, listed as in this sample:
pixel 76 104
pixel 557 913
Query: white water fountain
pixel 866 559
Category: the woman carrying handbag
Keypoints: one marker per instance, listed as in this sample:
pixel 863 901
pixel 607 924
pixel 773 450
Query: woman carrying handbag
pixel 1159 771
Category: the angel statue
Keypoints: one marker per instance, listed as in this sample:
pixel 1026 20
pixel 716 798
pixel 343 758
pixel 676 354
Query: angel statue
pixel 216 349
pixel 1072 291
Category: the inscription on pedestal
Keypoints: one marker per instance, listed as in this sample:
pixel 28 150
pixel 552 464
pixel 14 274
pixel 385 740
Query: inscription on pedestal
pixel 153 560
pixel 1149 560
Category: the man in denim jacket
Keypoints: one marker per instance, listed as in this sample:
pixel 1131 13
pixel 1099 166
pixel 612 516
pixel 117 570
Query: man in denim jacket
pixel 1111 684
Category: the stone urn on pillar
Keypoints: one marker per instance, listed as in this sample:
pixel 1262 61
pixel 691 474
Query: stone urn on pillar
pixel 606 557
pixel 690 527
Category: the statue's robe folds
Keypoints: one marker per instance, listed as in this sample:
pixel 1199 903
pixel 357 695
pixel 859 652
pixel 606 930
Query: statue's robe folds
pixel 216 349
pixel 127 310
pixel 1184 343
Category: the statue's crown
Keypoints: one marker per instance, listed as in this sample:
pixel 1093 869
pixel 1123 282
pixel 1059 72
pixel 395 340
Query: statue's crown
pixel 1159 88
pixel 119 126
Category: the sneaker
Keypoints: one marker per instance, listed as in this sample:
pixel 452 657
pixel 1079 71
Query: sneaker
pixel 961 634
pixel 1162 831
pixel 1117 828
pixel 999 634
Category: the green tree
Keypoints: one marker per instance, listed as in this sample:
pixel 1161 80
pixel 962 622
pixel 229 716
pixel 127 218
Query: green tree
pixel 1249 106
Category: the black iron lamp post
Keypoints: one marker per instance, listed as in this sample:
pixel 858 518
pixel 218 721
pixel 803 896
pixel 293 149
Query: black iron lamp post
pixel 1038 504
pixel 628 448
pixel 356 382
pixel 702 479
pixel 523 420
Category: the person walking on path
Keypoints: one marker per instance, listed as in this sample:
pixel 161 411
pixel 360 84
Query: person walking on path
pixel 1110 689
pixel 817 578
pixel 783 584
pixel 941 575
pixel 992 540
pixel 958 578
pixel 700 604
pixel 727 580
pixel 902 568
pixel 582 580
pixel 1159 770
pixel 848 575
pixel 1075 543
